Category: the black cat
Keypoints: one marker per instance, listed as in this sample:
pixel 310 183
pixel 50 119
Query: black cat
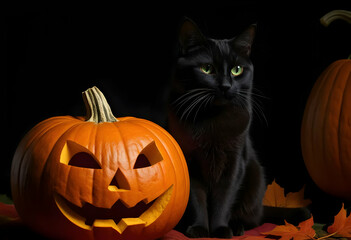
pixel 210 116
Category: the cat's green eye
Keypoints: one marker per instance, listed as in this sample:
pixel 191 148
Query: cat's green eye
pixel 207 68
pixel 237 70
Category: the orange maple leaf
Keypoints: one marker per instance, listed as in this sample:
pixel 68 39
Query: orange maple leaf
pixel 341 225
pixel 275 197
pixel 288 231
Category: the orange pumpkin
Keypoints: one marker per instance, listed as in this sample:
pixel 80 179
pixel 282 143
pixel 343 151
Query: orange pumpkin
pixel 103 178
pixel 326 130
pixel 326 125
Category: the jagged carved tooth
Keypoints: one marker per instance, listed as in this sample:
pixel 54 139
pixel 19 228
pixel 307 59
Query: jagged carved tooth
pixel 153 197
pixel 126 204
pixel 148 200
pixel 89 221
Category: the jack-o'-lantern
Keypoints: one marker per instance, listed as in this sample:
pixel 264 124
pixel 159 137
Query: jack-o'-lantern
pixel 103 178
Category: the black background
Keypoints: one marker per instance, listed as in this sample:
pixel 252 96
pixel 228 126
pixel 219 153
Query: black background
pixel 54 53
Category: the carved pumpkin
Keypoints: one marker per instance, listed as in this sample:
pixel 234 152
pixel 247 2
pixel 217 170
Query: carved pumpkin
pixel 326 125
pixel 103 178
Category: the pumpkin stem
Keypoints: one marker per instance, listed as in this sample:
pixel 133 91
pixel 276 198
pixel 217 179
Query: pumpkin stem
pixel 97 108
pixel 334 15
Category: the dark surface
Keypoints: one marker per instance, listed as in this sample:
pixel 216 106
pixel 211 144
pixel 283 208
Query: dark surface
pixel 52 54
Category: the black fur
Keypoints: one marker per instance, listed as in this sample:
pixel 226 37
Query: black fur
pixel 210 116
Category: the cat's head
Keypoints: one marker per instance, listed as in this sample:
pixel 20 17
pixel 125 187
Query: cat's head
pixel 223 67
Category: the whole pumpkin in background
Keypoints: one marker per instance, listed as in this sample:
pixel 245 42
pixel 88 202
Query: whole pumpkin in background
pixel 103 178
pixel 326 125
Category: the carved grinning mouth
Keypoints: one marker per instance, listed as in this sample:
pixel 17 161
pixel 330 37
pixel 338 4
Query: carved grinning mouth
pixel 118 216
pixel 91 213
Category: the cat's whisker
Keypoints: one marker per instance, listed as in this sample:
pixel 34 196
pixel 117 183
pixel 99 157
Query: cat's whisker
pixel 242 101
pixel 186 99
pixel 259 111
pixel 194 99
pixel 200 90
pixel 188 109
pixel 179 102
pixel 192 106
pixel 256 106
pixel 182 103
pixel 259 93
pixel 209 100
pixel 198 101
pixel 203 104
pixel 253 93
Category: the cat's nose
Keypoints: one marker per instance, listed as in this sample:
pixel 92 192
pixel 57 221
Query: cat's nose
pixel 225 87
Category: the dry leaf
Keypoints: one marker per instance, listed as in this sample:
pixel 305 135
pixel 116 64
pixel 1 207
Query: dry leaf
pixel 341 225
pixel 253 238
pixel 275 197
pixel 288 231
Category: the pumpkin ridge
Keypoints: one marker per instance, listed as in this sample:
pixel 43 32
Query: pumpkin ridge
pixel 93 132
pixel 123 142
pixel 340 159
pixel 319 110
pixel 26 145
pixel 155 136
pixel 162 144
pixel 55 146
pixel 311 111
pixel 39 138
pixel 339 116
pixel 326 130
pixel 29 182
pixel 41 181
pixel 173 143
pixel 326 126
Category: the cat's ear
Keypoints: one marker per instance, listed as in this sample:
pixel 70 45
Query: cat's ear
pixel 190 35
pixel 244 41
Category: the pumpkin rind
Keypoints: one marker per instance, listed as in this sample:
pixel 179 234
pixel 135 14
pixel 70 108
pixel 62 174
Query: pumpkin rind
pixel 326 133
pixel 38 177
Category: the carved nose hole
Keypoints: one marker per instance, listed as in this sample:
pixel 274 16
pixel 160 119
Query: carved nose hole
pixel 119 182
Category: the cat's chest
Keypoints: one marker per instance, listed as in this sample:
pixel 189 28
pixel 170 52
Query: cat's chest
pixel 222 133
pixel 181 134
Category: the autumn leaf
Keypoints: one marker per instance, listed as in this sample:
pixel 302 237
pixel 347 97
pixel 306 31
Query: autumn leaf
pixel 288 231
pixel 5 199
pixel 275 197
pixel 342 224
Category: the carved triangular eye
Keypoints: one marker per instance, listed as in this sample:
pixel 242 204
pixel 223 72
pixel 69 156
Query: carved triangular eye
pixel 84 160
pixel 149 156
pixel 76 155
pixel 142 162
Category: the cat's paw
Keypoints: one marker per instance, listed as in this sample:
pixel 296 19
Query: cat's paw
pixel 197 232
pixel 238 230
pixel 222 232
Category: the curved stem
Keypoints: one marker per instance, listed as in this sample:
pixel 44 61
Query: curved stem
pixel 334 15
pixel 97 108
